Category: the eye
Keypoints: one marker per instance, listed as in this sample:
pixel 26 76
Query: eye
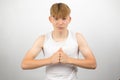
pixel 64 18
pixel 56 18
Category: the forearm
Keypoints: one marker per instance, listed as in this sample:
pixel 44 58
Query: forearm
pixel 84 63
pixel 32 64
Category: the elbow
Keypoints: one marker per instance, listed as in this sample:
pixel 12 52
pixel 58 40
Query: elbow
pixel 24 66
pixel 94 65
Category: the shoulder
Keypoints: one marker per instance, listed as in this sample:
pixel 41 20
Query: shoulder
pixel 80 38
pixel 41 38
pixel 79 35
pixel 39 41
pixel 76 35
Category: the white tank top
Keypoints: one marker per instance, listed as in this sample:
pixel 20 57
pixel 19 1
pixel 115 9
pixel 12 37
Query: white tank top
pixel 70 47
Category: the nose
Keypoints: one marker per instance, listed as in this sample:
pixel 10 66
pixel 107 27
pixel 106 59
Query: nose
pixel 60 21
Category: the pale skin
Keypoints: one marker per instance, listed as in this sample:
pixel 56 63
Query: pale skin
pixel 59 33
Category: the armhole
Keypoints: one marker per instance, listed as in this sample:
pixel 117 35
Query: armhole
pixel 46 37
pixel 74 35
pixel 77 42
pixel 80 54
pixel 77 33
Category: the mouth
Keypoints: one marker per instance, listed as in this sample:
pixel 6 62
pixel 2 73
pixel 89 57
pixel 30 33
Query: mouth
pixel 60 28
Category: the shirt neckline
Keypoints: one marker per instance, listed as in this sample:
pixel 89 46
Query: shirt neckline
pixel 59 41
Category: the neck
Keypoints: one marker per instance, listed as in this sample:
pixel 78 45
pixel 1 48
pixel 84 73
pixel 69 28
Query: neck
pixel 60 35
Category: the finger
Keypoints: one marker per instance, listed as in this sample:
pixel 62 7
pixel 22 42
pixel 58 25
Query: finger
pixel 62 60
pixel 60 49
pixel 56 60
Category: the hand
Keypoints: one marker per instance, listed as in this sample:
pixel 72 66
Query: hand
pixel 63 57
pixel 55 58
pixel 59 57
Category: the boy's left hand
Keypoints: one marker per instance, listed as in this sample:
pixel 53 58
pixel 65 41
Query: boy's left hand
pixel 63 57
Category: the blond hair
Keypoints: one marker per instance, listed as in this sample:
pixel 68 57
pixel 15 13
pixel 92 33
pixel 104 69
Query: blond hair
pixel 59 10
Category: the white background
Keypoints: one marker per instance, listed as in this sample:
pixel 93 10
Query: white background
pixel 22 21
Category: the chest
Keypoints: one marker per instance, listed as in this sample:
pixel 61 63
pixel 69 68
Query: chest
pixel 70 47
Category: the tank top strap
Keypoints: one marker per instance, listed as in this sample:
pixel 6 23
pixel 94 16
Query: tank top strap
pixel 73 34
pixel 47 36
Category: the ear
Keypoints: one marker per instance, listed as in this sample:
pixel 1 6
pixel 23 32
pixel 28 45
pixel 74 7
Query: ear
pixel 69 19
pixel 50 19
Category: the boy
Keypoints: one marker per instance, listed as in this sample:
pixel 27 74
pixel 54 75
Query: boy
pixel 61 48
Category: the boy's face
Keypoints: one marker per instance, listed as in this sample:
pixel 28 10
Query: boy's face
pixel 60 23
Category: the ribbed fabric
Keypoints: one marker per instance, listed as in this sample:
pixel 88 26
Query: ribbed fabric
pixel 70 47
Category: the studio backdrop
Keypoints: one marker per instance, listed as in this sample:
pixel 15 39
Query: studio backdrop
pixel 23 21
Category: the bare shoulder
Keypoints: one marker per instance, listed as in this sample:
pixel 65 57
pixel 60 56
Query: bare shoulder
pixel 36 47
pixel 81 40
pixel 39 41
pixel 79 36
pixel 41 38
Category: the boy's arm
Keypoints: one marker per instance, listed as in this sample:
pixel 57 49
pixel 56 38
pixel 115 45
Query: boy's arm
pixel 89 60
pixel 29 61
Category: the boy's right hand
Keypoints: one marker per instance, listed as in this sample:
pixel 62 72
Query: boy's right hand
pixel 55 58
